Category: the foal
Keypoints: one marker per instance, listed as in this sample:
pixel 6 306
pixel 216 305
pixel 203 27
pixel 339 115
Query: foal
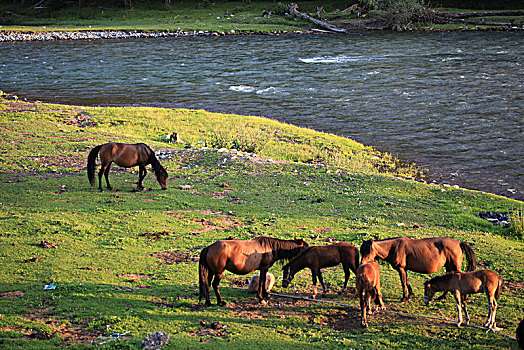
pixel 318 257
pixel 368 287
pixel 464 283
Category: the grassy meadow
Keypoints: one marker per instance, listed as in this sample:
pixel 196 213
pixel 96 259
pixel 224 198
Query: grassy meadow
pixel 125 263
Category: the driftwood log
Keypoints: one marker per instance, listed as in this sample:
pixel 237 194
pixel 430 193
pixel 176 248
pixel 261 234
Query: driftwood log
pixel 479 14
pixel 293 8
pixel 461 17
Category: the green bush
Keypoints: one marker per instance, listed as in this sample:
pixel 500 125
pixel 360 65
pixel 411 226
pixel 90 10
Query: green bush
pixel 242 138
pixel 516 223
pixel 398 14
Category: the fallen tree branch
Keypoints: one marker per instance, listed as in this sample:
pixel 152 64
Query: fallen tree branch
pixel 479 23
pixel 479 14
pixel 293 8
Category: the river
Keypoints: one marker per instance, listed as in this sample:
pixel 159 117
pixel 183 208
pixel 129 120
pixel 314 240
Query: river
pixel 451 102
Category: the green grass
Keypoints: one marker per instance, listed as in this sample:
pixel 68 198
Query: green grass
pixel 114 275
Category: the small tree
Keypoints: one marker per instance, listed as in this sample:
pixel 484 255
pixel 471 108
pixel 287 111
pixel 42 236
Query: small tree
pixel 397 14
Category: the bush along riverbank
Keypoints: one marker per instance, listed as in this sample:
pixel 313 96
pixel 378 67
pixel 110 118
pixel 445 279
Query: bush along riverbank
pixel 80 267
pixel 147 20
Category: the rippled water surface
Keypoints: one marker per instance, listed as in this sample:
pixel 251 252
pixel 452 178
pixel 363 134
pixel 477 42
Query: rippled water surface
pixel 451 102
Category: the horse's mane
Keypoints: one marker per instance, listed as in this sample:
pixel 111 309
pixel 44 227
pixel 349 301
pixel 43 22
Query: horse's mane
pixel 157 167
pixel 301 251
pixel 284 249
pixel 441 279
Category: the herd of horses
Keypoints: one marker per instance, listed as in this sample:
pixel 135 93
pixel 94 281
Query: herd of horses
pixel 425 255
pixel 241 257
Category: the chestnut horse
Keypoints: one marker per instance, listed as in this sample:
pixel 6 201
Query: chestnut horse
pixel 464 283
pixel 425 255
pixel 127 156
pixel 318 257
pixel 368 288
pixel 241 258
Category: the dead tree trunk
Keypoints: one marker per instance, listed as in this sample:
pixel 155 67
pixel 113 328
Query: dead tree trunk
pixel 294 10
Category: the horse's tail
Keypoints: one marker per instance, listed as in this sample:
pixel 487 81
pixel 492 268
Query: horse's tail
pixel 357 260
pixel 499 289
pixel 91 159
pixel 368 285
pixel 203 276
pixel 470 256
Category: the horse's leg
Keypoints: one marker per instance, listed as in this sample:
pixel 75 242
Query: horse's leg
pixel 314 278
pixel 106 175
pixel 363 307
pixel 142 172
pixel 346 278
pixel 262 292
pixel 492 306
pixel 459 307
pixel 216 281
pixel 324 289
pixel 465 308
pixel 209 280
pixel 100 174
pixel 493 313
pixel 368 303
pixel 405 285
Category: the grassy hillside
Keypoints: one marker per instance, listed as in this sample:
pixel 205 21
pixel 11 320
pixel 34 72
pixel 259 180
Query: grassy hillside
pixel 125 262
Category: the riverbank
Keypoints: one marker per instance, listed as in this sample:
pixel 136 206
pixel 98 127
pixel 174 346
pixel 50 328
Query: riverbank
pixel 93 250
pixel 153 20
pixel 6 36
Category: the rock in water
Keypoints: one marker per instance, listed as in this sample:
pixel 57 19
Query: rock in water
pixel 253 283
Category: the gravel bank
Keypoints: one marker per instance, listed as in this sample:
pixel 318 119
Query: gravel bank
pixel 48 36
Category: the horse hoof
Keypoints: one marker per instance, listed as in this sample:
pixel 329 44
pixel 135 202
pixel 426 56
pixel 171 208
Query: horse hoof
pixel 364 325
pixel 263 302
pixel 458 324
pixel 208 304
pixel 221 303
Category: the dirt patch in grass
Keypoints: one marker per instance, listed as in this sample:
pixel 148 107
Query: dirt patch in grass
pixel 513 287
pixel 216 223
pixel 70 334
pixel 208 331
pixel 12 295
pixel 339 318
pixel 135 276
pixel 170 257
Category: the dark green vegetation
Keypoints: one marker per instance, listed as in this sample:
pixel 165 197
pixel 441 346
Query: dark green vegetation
pixel 246 16
pixel 126 261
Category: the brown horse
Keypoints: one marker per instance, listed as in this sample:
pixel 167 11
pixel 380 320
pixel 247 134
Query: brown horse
pixel 464 283
pixel 127 156
pixel 318 257
pixel 426 255
pixel 241 258
pixel 368 288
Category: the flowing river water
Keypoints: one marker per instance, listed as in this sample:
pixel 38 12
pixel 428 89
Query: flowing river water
pixel 451 102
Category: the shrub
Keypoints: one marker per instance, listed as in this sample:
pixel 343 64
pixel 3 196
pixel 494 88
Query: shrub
pixel 398 14
pixel 242 138
pixel 516 223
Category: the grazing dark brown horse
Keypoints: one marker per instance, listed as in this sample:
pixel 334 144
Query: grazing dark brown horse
pixel 243 257
pixel 127 156
pixel 464 283
pixel 426 255
pixel 368 288
pixel 318 257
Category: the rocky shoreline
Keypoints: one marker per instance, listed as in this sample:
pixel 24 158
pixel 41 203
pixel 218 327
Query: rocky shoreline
pixel 8 36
